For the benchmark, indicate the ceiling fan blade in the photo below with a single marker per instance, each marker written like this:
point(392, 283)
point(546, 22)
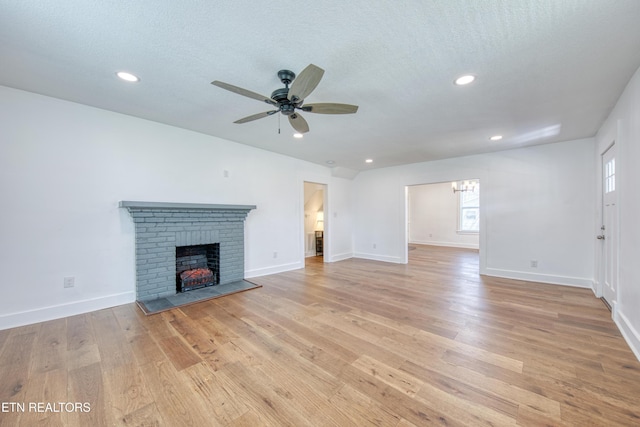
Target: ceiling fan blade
point(305, 83)
point(243, 92)
point(255, 117)
point(329, 108)
point(298, 123)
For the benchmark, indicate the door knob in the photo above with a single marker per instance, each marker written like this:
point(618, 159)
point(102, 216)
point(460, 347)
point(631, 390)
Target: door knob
point(600, 237)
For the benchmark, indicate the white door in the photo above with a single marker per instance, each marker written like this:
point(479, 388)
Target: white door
point(609, 228)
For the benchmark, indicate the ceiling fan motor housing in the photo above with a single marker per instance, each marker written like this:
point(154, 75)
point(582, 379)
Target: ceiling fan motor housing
point(285, 106)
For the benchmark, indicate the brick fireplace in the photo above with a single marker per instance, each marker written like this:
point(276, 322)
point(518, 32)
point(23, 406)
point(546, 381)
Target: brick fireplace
point(162, 229)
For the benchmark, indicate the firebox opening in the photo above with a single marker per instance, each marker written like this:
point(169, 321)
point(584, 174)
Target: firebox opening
point(197, 266)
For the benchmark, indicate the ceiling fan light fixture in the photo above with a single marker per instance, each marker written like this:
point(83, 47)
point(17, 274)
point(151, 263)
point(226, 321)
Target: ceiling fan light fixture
point(128, 77)
point(298, 135)
point(464, 80)
point(496, 138)
point(369, 161)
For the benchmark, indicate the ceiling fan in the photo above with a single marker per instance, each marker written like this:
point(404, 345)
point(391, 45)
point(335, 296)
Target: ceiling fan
point(287, 100)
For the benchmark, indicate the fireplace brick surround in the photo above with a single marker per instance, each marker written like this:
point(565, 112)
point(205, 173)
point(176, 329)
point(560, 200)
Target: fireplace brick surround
point(161, 227)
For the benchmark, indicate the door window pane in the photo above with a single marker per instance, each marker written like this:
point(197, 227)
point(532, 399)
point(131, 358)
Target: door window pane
point(610, 176)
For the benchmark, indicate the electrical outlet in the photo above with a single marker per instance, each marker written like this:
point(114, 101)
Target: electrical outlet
point(374, 246)
point(69, 282)
point(275, 254)
point(534, 263)
point(225, 173)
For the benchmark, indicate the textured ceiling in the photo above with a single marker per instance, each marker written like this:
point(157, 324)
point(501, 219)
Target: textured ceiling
point(548, 70)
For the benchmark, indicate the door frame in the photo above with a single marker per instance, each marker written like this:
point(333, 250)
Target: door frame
point(482, 178)
point(326, 220)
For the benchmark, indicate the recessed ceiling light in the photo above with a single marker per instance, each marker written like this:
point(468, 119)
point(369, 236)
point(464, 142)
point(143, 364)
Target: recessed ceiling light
point(369, 161)
point(128, 77)
point(496, 137)
point(464, 80)
point(297, 135)
point(330, 162)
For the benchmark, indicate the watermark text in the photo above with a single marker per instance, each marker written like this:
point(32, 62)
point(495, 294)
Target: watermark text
point(45, 407)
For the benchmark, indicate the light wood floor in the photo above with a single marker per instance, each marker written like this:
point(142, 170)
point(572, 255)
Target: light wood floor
point(351, 343)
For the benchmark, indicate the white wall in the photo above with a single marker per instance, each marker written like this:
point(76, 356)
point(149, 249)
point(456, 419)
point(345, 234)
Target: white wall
point(63, 169)
point(623, 127)
point(338, 220)
point(433, 212)
point(536, 204)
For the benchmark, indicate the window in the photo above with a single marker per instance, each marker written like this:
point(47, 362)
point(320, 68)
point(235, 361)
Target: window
point(469, 202)
point(610, 176)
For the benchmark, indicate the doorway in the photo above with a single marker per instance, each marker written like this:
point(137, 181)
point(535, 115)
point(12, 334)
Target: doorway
point(314, 221)
point(476, 240)
point(609, 228)
point(444, 214)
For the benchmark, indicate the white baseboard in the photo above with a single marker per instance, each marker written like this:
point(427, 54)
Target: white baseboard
point(446, 244)
point(281, 268)
point(341, 257)
point(376, 257)
point(44, 314)
point(628, 332)
point(596, 288)
point(578, 282)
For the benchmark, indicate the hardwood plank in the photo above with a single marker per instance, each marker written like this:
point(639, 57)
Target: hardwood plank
point(45, 387)
point(4, 335)
point(224, 404)
point(145, 349)
point(361, 410)
point(461, 389)
point(127, 392)
point(201, 343)
point(130, 319)
point(251, 418)
point(174, 399)
point(180, 354)
point(51, 343)
point(86, 387)
point(262, 398)
point(111, 340)
point(147, 416)
point(400, 380)
point(14, 367)
point(395, 401)
point(79, 332)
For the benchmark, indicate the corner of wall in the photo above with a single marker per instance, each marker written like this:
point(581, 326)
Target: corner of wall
point(341, 257)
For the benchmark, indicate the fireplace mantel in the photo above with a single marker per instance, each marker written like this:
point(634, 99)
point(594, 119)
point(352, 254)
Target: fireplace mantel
point(188, 206)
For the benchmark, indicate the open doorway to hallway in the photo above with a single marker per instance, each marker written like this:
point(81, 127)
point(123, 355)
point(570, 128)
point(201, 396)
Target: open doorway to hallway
point(314, 221)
